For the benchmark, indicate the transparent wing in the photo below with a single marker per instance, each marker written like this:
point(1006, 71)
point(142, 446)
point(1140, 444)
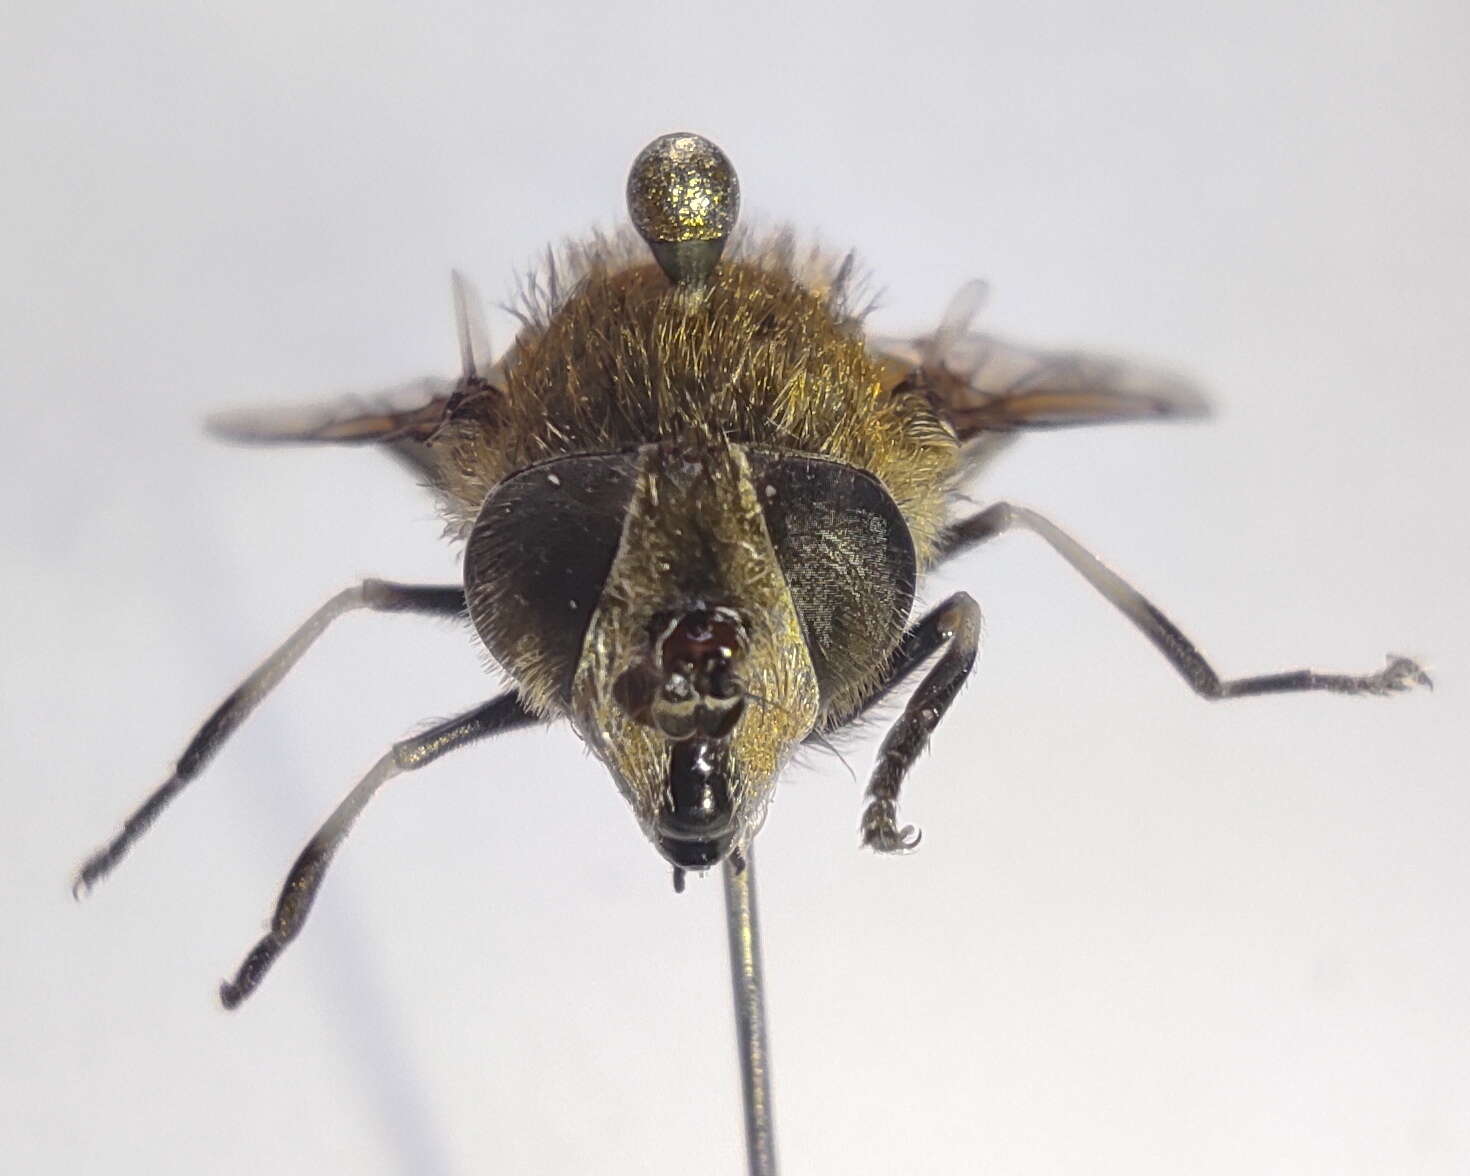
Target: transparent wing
point(403, 418)
point(407, 412)
point(983, 384)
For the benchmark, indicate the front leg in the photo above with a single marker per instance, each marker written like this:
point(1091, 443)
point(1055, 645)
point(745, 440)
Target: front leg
point(955, 624)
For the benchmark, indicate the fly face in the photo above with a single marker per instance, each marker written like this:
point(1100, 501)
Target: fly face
point(643, 591)
point(696, 608)
point(695, 681)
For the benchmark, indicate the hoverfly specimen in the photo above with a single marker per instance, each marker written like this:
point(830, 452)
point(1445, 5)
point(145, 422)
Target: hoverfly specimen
point(696, 499)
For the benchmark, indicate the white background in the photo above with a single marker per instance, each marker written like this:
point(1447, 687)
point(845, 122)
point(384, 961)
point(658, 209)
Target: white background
point(1143, 935)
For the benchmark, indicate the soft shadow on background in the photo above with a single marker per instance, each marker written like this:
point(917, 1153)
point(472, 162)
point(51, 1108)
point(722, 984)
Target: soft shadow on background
point(1143, 935)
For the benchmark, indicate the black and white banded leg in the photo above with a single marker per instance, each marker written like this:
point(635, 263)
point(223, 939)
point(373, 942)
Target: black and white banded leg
point(504, 713)
point(379, 595)
point(955, 627)
point(1399, 674)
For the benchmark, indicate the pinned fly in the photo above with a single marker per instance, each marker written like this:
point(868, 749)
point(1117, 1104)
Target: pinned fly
point(696, 497)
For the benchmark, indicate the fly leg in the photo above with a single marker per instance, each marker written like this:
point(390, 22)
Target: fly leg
point(955, 627)
point(379, 595)
point(504, 713)
point(1399, 674)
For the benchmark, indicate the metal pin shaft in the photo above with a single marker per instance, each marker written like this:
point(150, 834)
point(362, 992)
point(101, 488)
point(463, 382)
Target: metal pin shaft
point(743, 927)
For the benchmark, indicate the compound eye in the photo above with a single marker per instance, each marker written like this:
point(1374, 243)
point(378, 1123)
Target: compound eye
point(539, 556)
point(848, 559)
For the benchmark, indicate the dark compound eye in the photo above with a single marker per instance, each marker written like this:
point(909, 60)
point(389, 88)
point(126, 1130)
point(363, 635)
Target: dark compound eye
point(539, 556)
point(847, 556)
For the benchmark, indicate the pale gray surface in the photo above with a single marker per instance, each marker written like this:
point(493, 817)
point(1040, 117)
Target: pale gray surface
point(1144, 935)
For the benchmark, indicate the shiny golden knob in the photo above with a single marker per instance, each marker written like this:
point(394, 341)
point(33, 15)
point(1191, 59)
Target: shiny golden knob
point(684, 198)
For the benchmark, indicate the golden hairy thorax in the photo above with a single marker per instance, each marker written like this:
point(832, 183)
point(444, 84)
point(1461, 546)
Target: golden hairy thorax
point(767, 352)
